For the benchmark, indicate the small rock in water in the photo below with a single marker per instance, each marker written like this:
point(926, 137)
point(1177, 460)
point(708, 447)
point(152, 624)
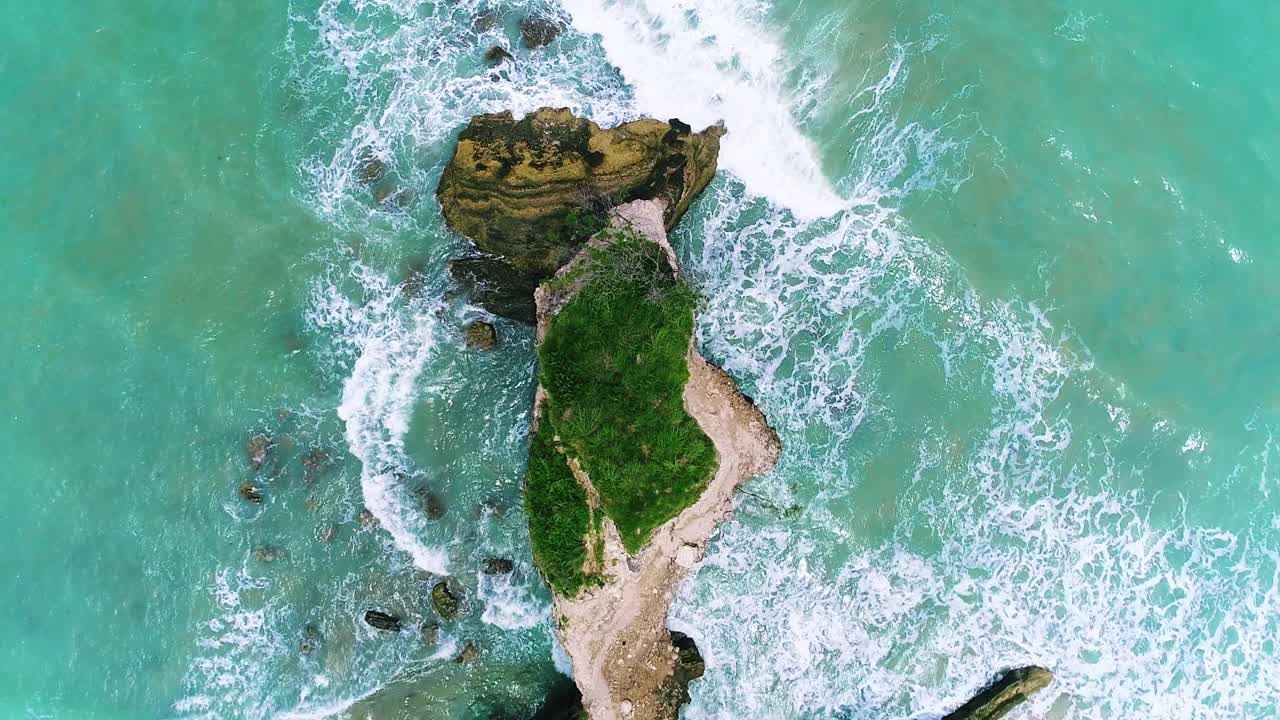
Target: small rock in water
point(486, 20)
point(382, 621)
point(498, 566)
point(250, 491)
point(267, 553)
point(432, 504)
point(445, 601)
point(313, 464)
point(294, 342)
point(393, 197)
point(469, 652)
point(370, 168)
point(414, 279)
point(311, 637)
point(326, 535)
point(538, 30)
point(480, 335)
point(497, 55)
point(366, 518)
point(256, 449)
point(430, 633)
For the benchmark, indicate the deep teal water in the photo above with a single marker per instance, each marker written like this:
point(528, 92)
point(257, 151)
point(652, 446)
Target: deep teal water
point(1001, 274)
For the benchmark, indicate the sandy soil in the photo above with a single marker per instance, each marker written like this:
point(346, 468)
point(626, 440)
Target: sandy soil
point(616, 634)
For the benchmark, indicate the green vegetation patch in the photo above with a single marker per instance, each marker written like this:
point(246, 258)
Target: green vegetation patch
point(614, 367)
point(558, 517)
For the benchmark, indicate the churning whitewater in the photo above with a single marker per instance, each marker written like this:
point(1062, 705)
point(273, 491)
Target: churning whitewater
point(1001, 276)
point(1008, 543)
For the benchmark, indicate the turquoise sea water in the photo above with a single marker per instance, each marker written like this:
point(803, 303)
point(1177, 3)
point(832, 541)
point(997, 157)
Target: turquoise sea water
point(1000, 273)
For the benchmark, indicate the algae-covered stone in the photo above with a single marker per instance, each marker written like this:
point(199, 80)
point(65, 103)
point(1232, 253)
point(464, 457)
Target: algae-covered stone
point(469, 652)
point(538, 30)
point(445, 601)
point(497, 55)
point(251, 491)
point(256, 449)
point(528, 192)
point(1008, 691)
point(480, 335)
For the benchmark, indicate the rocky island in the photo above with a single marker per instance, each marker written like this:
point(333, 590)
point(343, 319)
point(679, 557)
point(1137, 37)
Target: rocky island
point(638, 443)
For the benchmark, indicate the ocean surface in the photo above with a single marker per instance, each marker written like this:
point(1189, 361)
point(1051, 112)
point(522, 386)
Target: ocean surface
point(998, 272)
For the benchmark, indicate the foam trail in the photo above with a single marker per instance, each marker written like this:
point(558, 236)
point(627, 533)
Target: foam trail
point(707, 61)
point(377, 400)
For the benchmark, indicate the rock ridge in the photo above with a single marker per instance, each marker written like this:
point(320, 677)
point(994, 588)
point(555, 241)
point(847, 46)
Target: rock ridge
point(625, 661)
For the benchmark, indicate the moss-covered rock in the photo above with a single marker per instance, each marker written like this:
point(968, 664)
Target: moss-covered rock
point(1008, 691)
point(445, 600)
point(480, 335)
point(528, 192)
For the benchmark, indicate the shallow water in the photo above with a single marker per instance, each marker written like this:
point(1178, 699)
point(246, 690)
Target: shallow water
point(999, 275)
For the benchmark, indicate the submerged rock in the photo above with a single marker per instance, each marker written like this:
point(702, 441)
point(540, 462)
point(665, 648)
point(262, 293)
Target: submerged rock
point(1008, 691)
point(369, 167)
point(250, 491)
point(432, 504)
point(391, 196)
point(256, 449)
point(528, 192)
point(480, 335)
point(469, 652)
point(445, 601)
point(314, 463)
point(497, 55)
point(413, 281)
point(430, 633)
point(366, 518)
point(311, 638)
point(498, 566)
point(382, 621)
point(538, 30)
point(327, 534)
point(486, 20)
point(267, 553)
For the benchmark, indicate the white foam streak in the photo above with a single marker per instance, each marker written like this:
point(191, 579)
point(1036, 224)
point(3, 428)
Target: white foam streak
point(393, 344)
point(708, 61)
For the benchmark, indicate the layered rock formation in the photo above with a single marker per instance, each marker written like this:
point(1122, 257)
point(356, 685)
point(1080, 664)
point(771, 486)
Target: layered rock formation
point(626, 663)
point(528, 192)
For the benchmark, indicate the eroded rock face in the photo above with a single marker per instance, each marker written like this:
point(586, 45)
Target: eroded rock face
point(1010, 689)
point(527, 191)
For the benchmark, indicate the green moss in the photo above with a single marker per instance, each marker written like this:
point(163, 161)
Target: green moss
point(614, 367)
point(558, 517)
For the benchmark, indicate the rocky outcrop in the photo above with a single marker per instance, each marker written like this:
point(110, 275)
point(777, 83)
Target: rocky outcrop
point(625, 661)
point(382, 621)
point(529, 191)
point(1010, 689)
point(445, 600)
